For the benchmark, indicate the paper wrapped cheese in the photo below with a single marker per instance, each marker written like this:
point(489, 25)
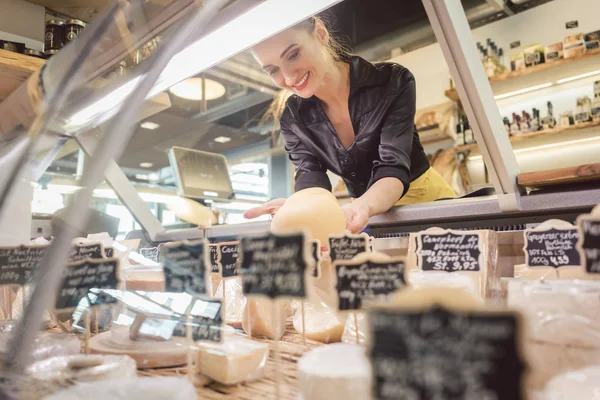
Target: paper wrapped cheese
point(322, 322)
point(436, 264)
point(563, 325)
point(349, 335)
point(337, 371)
point(314, 210)
point(235, 301)
point(260, 319)
point(157, 388)
point(235, 360)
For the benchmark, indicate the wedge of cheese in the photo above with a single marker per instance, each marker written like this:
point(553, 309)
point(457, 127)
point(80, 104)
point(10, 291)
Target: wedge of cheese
point(349, 335)
point(265, 318)
point(336, 371)
point(235, 301)
point(322, 323)
point(235, 360)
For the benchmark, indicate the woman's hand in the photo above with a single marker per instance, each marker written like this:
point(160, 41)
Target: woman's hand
point(357, 215)
point(270, 207)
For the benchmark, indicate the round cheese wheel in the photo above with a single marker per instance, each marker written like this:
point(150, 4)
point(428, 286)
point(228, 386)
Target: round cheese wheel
point(335, 371)
point(315, 210)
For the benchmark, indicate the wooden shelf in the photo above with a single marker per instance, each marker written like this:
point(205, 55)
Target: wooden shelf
point(531, 135)
point(452, 94)
point(560, 176)
point(15, 68)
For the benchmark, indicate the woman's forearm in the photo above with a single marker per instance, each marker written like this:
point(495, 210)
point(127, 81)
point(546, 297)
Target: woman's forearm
point(382, 195)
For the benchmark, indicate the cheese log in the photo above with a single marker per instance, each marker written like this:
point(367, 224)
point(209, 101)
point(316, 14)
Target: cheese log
point(258, 315)
point(314, 210)
point(487, 280)
point(336, 371)
point(349, 335)
point(235, 360)
point(321, 319)
point(578, 384)
point(235, 301)
point(562, 325)
point(156, 388)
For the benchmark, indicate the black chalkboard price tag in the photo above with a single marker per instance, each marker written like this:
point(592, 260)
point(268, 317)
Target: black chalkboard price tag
point(214, 258)
point(205, 321)
point(109, 252)
point(589, 243)
point(315, 252)
point(449, 251)
point(186, 267)
point(151, 253)
point(18, 264)
point(442, 354)
point(346, 246)
point(554, 247)
point(274, 265)
point(82, 251)
point(367, 281)
point(228, 258)
point(572, 24)
point(88, 274)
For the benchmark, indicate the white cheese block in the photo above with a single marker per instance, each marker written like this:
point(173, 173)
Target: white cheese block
point(260, 320)
point(235, 360)
point(575, 385)
point(314, 210)
point(349, 335)
point(235, 301)
point(321, 319)
point(158, 388)
point(410, 298)
point(337, 371)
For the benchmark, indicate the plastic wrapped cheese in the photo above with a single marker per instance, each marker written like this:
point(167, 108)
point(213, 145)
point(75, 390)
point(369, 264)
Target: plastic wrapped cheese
point(563, 325)
point(349, 335)
point(46, 344)
point(337, 371)
point(322, 322)
point(314, 210)
point(486, 280)
point(581, 384)
point(265, 318)
point(235, 301)
point(235, 360)
point(157, 388)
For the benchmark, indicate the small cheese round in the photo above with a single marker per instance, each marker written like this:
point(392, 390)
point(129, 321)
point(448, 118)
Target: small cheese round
point(335, 371)
point(315, 210)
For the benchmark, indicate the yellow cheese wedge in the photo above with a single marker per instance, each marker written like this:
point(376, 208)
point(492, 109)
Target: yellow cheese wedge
point(258, 316)
point(322, 321)
point(235, 300)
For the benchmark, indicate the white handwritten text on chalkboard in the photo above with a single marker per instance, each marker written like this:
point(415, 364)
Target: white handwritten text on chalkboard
point(552, 248)
point(450, 251)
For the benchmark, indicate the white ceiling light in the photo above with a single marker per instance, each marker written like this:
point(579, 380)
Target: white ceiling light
point(150, 125)
point(573, 78)
point(521, 91)
point(146, 165)
point(222, 139)
point(191, 89)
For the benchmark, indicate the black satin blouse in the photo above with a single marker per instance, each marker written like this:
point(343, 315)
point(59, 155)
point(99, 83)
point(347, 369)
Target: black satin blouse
point(386, 144)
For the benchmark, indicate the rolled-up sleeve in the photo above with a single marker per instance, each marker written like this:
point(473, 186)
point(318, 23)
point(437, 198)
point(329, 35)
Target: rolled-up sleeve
point(310, 172)
point(397, 135)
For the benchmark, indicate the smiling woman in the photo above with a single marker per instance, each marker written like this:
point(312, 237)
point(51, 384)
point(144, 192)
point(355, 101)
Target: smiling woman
point(350, 117)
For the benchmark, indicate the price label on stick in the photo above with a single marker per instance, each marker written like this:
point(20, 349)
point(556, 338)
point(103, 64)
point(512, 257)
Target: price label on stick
point(449, 251)
point(589, 243)
point(18, 264)
point(274, 265)
point(186, 267)
point(206, 321)
point(359, 282)
point(315, 252)
point(82, 251)
point(84, 275)
point(345, 247)
point(441, 354)
point(151, 253)
point(228, 258)
point(551, 248)
point(109, 252)
point(214, 258)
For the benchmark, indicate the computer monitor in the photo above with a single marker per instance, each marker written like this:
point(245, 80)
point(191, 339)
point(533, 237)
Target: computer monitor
point(200, 174)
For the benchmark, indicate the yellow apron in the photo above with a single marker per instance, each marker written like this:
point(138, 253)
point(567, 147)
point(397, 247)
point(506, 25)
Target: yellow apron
point(428, 187)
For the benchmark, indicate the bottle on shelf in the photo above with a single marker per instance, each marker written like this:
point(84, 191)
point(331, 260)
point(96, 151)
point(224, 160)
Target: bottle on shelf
point(501, 60)
point(515, 128)
point(469, 137)
point(535, 121)
point(506, 125)
point(596, 107)
point(460, 133)
point(549, 122)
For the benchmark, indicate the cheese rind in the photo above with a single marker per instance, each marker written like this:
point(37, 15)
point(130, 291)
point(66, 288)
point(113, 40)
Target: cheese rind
point(235, 360)
point(336, 371)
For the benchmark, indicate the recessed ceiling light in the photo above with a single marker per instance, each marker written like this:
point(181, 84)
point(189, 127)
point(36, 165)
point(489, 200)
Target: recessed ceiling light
point(191, 89)
point(222, 139)
point(142, 177)
point(149, 125)
point(146, 165)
